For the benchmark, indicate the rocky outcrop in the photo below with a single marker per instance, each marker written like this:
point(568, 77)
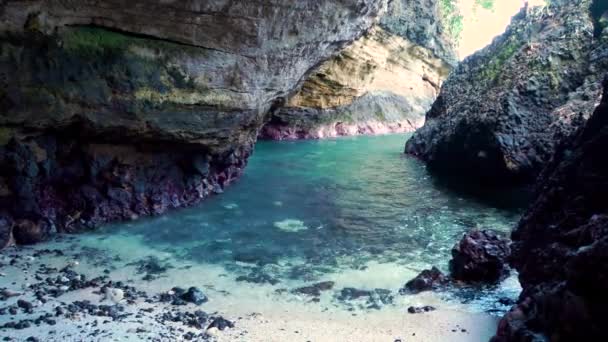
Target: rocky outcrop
point(501, 112)
point(384, 82)
point(560, 246)
point(110, 110)
point(480, 256)
point(425, 281)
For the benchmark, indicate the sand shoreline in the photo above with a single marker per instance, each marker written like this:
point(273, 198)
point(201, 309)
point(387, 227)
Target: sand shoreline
point(259, 312)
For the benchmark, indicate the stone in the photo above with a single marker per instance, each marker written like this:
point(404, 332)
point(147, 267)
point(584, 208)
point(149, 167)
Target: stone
point(220, 323)
point(315, 289)
point(27, 232)
point(351, 293)
point(194, 295)
point(480, 256)
point(425, 281)
point(420, 309)
point(115, 295)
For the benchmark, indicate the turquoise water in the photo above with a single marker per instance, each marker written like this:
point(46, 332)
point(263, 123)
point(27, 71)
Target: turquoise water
point(321, 207)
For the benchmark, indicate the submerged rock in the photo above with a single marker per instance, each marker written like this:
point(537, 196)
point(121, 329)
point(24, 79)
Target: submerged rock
point(179, 296)
point(480, 256)
point(315, 289)
point(6, 230)
point(560, 247)
point(258, 277)
point(194, 295)
point(427, 280)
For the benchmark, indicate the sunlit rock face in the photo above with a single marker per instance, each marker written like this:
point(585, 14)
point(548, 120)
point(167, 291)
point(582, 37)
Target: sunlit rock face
point(502, 111)
point(117, 109)
point(384, 82)
point(560, 246)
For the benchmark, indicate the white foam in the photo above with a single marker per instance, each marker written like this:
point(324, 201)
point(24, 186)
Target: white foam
point(291, 225)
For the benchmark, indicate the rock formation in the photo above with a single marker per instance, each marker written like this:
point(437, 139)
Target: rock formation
point(110, 109)
point(502, 110)
point(560, 247)
point(480, 256)
point(427, 280)
point(384, 82)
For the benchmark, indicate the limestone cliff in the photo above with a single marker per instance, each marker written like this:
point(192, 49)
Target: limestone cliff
point(501, 112)
point(383, 82)
point(114, 109)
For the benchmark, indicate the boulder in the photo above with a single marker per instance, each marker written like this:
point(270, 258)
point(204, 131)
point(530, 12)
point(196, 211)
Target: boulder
point(480, 256)
point(425, 281)
point(27, 232)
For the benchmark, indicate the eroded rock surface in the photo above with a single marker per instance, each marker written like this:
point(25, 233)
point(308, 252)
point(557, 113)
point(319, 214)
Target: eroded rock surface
point(560, 247)
point(480, 256)
point(110, 110)
point(502, 110)
point(431, 279)
point(384, 82)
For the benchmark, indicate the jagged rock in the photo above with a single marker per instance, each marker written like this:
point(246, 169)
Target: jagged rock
point(480, 256)
point(384, 82)
point(502, 110)
point(425, 281)
point(560, 247)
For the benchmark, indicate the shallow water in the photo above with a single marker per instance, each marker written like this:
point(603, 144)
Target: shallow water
point(352, 210)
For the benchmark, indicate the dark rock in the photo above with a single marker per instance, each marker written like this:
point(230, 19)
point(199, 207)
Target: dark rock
point(6, 229)
point(258, 278)
point(194, 295)
point(427, 280)
point(480, 256)
point(315, 289)
point(25, 305)
point(420, 309)
point(221, 323)
point(560, 246)
point(27, 232)
point(351, 293)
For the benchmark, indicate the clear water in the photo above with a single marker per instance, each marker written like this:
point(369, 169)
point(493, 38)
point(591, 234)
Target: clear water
point(333, 209)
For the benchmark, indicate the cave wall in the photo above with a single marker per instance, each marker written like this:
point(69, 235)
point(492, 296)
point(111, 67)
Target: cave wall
point(112, 110)
point(383, 82)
